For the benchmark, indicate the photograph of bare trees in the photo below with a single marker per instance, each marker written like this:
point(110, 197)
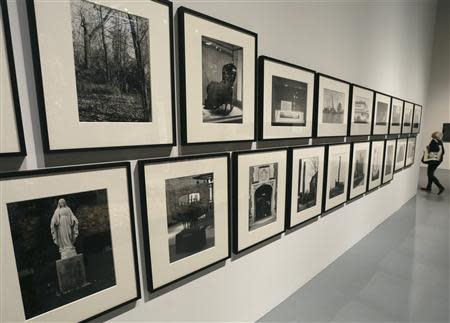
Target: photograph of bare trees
point(112, 64)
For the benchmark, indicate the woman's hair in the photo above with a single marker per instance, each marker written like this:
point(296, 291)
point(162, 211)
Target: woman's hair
point(436, 135)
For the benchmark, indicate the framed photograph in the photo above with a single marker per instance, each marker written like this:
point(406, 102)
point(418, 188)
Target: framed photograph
point(331, 115)
point(381, 113)
point(68, 243)
point(360, 152)
point(12, 141)
point(102, 82)
point(259, 192)
point(417, 118)
point(395, 123)
point(410, 151)
point(286, 107)
point(400, 154)
point(337, 170)
point(360, 123)
point(185, 215)
point(389, 158)
point(306, 186)
point(376, 164)
point(217, 79)
point(408, 109)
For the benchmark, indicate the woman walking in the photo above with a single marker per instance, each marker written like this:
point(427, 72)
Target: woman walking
point(433, 158)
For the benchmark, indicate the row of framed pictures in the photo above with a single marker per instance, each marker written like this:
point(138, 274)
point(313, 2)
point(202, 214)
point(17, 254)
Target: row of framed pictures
point(68, 238)
point(112, 88)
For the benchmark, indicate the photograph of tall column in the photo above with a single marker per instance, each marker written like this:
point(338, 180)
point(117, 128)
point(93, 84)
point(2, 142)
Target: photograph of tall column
point(307, 183)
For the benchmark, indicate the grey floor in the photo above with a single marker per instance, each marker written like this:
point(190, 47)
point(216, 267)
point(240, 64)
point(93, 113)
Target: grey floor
point(398, 273)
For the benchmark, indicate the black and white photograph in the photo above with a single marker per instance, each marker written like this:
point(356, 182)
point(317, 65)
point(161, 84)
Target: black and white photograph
point(190, 214)
point(333, 106)
point(361, 111)
point(389, 156)
point(185, 215)
point(396, 116)
point(116, 84)
point(12, 141)
point(332, 114)
point(382, 112)
point(112, 63)
point(400, 155)
point(259, 196)
point(68, 242)
point(410, 151)
point(62, 247)
point(222, 81)
point(288, 102)
point(218, 83)
point(408, 112)
point(359, 169)
point(376, 164)
point(417, 118)
point(263, 195)
point(286, 108)
point(338, 165)
point(306, 184)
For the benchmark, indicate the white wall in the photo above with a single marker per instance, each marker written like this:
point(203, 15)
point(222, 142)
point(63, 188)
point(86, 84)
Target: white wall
point(437, 106)
point(385, 45)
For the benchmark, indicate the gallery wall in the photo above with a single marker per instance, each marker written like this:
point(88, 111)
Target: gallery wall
point(438, 99)
point(381, 45)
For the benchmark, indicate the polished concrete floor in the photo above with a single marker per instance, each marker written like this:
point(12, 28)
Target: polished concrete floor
point(398, 273)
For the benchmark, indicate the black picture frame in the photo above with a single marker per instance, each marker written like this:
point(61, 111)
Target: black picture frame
point(350, 172)
point(377, 93)
point(316, 106)
point(325, 184)
point(235, 198)
point(368, 189)
point(407, 150)
point(390, 131)
point(144, 215)
point(91, 167)
point(181, 13)
point(383, 182)
point(288, 200)
point(12, 74)
point(413, 131)
point(403, 132)
point(351, 108)
point(36, 57)
point(260, 98)
point(404, 158)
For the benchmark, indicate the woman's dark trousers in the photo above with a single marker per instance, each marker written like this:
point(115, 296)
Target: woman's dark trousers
point(431, 178)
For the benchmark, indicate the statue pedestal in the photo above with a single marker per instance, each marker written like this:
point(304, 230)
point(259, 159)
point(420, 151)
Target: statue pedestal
point(71, 273)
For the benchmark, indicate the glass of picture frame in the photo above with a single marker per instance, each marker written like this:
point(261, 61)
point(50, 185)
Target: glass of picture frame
point(361, 109)
point(305, 184)
point(217, 79)
point(68, 243)
point(259, 193)
point(337, 167)
point(381, 114)
point(360, 152)
point(286, 107)
point(400, 154)
point(331, 114)
point(389, 160)
point(185, 215)
point(12, 141)
point(408, 112)
point(410, 151)
point(376, 164)
point(417, 118)
point(395, 122)
point(100, 82)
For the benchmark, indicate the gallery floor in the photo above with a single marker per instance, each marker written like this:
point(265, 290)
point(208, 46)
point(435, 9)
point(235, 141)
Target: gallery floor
point(398, 273)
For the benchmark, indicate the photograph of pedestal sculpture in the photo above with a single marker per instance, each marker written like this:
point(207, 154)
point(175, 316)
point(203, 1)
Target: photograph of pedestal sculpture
point(361, 111)
point(190, 214)
point(62, 247)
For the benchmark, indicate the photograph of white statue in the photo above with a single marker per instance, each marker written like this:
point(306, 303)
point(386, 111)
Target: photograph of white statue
point(63, 249)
